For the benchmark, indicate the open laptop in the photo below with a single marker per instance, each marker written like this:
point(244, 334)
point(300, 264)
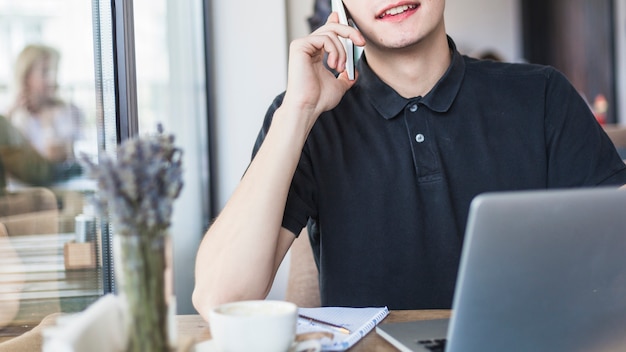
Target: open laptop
point(540, 271)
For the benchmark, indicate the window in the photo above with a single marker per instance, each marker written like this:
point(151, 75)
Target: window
point(49, 117)
point(116, 70)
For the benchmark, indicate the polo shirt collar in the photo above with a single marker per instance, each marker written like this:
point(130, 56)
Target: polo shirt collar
point(389, 103)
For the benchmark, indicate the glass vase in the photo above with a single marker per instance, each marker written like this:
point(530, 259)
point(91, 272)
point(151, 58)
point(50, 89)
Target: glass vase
point(142, 270)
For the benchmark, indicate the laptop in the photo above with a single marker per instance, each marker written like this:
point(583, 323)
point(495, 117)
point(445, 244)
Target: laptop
point(540, 271)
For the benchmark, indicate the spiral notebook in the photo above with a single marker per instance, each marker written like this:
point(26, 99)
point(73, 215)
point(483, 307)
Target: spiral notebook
point(358, 321)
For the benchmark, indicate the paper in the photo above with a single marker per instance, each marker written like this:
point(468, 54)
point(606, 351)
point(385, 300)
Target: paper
point(359, 321)
point(98, 328)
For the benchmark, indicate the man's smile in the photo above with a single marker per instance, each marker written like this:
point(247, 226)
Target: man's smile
point(397, 10)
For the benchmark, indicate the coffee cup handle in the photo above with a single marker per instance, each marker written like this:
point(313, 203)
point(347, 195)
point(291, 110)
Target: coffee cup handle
point(306, 346)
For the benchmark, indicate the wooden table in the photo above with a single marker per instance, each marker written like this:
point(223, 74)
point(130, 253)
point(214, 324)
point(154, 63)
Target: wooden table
point(194, 328)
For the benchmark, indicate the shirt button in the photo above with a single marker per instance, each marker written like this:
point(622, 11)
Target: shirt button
point(419, 138)
point(413, 108)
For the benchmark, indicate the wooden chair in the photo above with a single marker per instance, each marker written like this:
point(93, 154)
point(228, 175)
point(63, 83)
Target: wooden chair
point(303, 277)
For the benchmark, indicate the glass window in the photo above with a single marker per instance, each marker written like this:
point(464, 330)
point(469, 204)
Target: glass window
point(55, 253)
point(49, 239)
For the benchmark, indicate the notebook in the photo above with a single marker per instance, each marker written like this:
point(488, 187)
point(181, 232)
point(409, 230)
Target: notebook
point(356, 322)
point(540, 271)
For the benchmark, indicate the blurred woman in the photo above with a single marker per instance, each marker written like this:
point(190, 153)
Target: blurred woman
point(50, 124)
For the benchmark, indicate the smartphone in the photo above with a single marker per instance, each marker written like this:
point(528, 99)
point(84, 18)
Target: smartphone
point(337, 6)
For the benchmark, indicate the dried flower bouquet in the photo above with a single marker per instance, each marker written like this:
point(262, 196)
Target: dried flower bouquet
point(137, 190)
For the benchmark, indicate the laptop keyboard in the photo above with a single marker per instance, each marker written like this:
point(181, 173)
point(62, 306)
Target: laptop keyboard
point(436, 345)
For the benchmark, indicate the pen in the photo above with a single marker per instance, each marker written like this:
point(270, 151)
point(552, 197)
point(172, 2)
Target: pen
point(338, 328)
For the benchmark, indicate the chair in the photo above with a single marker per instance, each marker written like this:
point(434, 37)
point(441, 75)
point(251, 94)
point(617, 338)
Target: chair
point(303, 277)
point(29, 211)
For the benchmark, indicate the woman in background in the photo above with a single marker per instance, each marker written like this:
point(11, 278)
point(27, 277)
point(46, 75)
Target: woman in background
point(51, 125)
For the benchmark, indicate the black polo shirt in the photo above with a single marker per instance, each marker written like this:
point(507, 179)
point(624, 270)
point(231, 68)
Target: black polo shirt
point(386, 182)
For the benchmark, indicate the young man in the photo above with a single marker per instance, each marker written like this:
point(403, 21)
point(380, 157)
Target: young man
point(384, 168)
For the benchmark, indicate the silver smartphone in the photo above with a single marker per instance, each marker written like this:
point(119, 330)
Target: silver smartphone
point(337, 6)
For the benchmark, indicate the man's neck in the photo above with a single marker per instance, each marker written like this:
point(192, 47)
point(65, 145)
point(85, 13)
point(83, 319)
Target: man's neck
point(413, 71)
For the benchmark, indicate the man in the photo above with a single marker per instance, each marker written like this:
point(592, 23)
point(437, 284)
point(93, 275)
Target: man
point(383, 168)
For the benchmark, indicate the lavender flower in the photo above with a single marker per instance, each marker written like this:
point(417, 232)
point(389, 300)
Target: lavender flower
point(140, 186)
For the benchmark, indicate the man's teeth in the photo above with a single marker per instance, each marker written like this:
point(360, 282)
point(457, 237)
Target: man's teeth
point(398, 10)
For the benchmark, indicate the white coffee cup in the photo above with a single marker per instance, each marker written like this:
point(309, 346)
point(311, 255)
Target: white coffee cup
point(263, 326)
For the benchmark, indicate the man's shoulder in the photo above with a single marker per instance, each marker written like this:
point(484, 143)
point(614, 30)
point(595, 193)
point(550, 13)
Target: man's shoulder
point(495, 68)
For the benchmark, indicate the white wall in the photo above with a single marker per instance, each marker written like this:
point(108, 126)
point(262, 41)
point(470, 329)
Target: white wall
point(486, 24)
point(251, 59)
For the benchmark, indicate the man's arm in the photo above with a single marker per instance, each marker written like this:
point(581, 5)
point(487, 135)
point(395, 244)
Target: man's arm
point(240, 253)
point(242, 249)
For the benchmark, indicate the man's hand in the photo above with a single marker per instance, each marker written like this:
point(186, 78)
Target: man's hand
point(311, 87)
